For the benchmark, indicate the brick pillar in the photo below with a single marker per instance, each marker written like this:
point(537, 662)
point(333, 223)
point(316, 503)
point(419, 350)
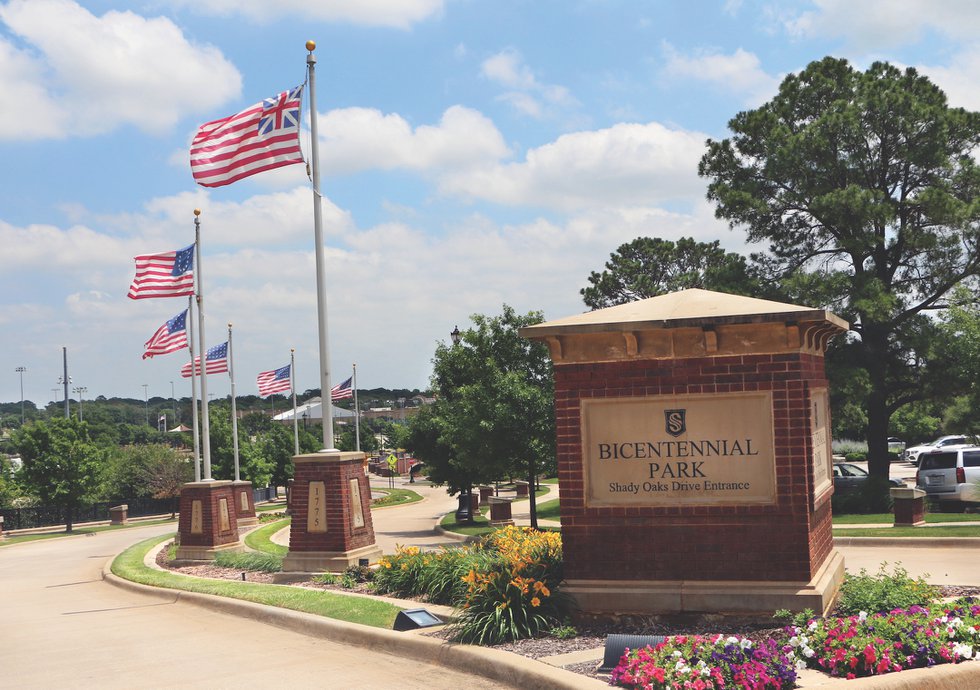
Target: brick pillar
point(909, 506)
point(693, 447)
point(500, 515)
point(119, 515)
point(522, 489)
point(245, 504)
point(485, 493)
point(208, 520)
point(331, 508)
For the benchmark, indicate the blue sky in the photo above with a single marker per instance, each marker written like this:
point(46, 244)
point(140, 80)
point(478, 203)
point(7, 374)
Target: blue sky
point(473, 153)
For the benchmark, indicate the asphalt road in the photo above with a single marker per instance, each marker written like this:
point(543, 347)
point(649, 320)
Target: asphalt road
point(65, 627)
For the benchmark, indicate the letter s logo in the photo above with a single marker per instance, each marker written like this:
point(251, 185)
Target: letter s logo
point(675, 422)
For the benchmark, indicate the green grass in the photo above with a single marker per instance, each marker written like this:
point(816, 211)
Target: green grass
point(261, 539)
point(270, 507)
point(549, 510)
point(479, 526)
point(888, 518)
point(10, 540)
point(922, 532)
point(395, 497)
point(129, 565)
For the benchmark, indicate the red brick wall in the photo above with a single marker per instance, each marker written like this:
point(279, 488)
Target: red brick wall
point(210, 497)
point(785, 541)
point(340, 534)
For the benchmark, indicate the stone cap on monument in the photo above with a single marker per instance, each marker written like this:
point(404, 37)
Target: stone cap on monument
point(329, 456)
point(687, 323)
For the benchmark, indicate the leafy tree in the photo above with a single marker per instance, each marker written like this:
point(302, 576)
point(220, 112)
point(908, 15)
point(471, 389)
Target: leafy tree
point(8, 487)
point(165, 474)
point(252, 466)
point(494, 415)
point(647, 267)
point(126, 468)
point(862, 183)
point(61, 464)
point(960, 328)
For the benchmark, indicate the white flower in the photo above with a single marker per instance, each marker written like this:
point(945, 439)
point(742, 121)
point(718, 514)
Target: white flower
point(863, 616)
point(800, 664)
point(963, 650)
point(813, 626)
point(732, 640)
point(808, 653)
point(746, 643)
point(794, 641)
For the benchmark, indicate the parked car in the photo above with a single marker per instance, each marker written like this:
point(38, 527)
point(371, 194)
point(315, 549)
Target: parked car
point(849, 477)
point(950, 475)
point(912, 454)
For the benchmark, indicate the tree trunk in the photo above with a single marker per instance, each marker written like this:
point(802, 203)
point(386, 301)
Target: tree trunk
point(876, 340)
point(532, 486)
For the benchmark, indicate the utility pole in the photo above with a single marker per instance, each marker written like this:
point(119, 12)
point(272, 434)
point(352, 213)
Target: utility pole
point(80, 390)
point(21, 370)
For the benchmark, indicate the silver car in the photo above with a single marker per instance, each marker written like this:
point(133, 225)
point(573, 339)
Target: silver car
point(950, 475)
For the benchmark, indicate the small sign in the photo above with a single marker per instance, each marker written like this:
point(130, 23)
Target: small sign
point(197, 518)
point(357, 512)
point(392, 462)
point(316, 520)
point(224, 521)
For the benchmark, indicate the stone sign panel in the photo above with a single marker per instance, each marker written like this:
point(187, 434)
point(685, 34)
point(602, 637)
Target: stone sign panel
point(316, 519)
point(821, 441)
point(357, 512)
point(679, 450)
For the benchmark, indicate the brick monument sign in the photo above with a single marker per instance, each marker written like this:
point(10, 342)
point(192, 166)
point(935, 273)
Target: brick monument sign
point(331, 510)
point(208, 521)
point(694, 455)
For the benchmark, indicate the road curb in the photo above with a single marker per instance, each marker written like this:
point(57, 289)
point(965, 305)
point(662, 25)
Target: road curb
point(494, 664)
point(911, 542)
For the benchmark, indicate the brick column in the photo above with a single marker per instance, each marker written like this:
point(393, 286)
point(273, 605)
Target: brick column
point(909, 506)
point(208, 520)
point(693, 444)
point(245, 504)
point(331, 509)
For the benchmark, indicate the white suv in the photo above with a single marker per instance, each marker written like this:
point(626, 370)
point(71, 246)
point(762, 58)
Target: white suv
point(950, 475)
point(912, 454)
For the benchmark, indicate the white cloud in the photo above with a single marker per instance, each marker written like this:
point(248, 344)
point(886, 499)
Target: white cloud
point(87, 75)
point(524, 92)
point(399, 14)
point(871, 26)
point(958, 78)
point(740, 73)
point(356, 139)
point(624, 165)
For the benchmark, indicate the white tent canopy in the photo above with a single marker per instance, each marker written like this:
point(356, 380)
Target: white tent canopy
point(311, 410)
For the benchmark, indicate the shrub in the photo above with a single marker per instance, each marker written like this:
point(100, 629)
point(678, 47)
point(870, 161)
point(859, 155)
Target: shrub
point(707, 662)
point(513, 588)
point(883, 591)
point(872, 496)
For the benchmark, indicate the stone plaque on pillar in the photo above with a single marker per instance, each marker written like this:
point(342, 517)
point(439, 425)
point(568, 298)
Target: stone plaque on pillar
point(332, 526)
point(693, 438)
point(208, 521)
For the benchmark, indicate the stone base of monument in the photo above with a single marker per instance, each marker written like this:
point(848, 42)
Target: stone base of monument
point(742, 598)
point(245, 504)
point(297, 566)
point(208, 521)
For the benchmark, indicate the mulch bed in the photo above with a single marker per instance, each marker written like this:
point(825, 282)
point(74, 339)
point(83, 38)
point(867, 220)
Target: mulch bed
point(590, 635)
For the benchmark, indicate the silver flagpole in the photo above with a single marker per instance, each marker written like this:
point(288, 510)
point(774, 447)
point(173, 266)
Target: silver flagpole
point(292, 384)
point(190, 346)
point(202, 368)
point(234, 411)
point(357, 415)
point(321, 290)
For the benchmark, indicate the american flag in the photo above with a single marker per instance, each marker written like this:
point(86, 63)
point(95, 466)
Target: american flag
point(341, 391)
point(262, 137)
point(170, 337)
point(170, 274)
point(215, 362)
point(275, 381)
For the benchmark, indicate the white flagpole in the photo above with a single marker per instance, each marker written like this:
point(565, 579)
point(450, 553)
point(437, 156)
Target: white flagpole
point(202, 369)
point(190, 346)
point(292, 384)
point(321, 291)
point(357, 415)
point(234, 411)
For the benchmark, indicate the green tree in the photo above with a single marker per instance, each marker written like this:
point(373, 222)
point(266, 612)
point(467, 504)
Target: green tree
point(252, 465)
point(494, 415)
point(864, 183)
point(647, 267)
point(62, 466)
point(164, 475)
point(960, 347)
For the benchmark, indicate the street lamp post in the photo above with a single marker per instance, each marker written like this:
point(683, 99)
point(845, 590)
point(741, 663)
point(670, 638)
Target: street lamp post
point(173, 397)
point(81, 390)
point(21, 370)
point(146, 405)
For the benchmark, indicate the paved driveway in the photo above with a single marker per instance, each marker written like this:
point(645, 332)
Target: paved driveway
point(64, 627)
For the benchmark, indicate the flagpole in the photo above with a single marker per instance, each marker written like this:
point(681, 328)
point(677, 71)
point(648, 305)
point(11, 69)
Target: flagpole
point(321, 292)
point(234, 411)
point(190, 346)
point(202, 368)
point(292, 384)
point(357, 415)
